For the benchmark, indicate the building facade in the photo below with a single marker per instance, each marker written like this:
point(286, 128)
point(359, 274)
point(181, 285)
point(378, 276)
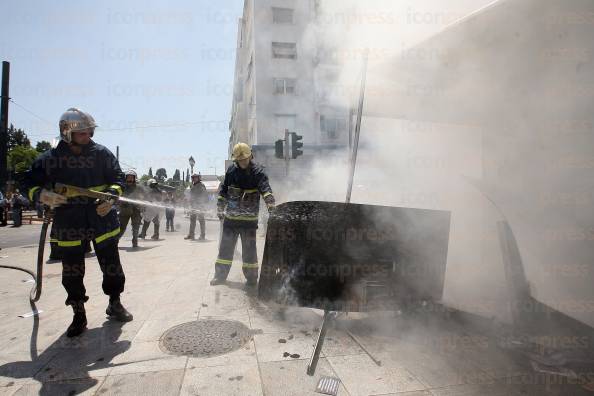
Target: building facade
point(285, 80)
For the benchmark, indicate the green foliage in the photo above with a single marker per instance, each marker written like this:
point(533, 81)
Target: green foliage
point(20, 158)
point(176, 175)
point(161, 174)
point(17, 137)
point(43, 146)
point(150, 174)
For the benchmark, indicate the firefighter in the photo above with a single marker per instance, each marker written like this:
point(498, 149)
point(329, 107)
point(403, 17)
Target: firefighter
point(198, 199)
point(238, 206)
point(78, 160)
point(169, 211)
point(151, 213)
point(128, 211)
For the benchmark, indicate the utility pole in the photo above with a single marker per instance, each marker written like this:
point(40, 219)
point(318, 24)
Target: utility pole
point(287, 153)
point(118, 153)
point(4, 123)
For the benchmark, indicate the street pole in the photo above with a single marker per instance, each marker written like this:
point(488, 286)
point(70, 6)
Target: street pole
point(118, 153)
point(4, 123)
point(287, 153)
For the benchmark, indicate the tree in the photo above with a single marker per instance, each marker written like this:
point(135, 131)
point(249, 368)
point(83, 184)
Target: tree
point(176, 175)
point(43, 146)
point(20, 158)
point(145, 178)
point(187, 175)
point(161, 174)
point(150, 173)
point(17, 137)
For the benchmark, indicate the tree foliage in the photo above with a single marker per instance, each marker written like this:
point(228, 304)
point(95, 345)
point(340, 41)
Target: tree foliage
point(20, 158)
point(17, 137)
point(43, 146)
point(161, 174)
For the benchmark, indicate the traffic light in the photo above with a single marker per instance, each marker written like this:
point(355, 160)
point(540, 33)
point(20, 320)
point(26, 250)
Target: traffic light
point(279, 150)
point(296, 145)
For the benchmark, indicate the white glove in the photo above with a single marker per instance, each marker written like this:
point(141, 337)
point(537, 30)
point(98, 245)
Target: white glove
point(104, 207)
point(51, 198)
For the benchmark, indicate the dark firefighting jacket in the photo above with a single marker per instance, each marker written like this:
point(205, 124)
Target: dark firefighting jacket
point(198, 196)
point(96, 168)
point(132, 191)
point(239, 194)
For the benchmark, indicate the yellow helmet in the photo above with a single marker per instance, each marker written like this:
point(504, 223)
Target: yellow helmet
point(241, 151)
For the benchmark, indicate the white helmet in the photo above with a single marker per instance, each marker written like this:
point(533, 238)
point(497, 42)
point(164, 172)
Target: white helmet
point(131, 172)
point(74, 120)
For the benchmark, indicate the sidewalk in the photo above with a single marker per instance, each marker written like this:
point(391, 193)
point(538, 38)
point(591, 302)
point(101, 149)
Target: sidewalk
point(167, 285)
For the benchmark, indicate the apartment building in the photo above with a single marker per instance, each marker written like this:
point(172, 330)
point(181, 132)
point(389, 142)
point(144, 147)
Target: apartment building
point(285, 80)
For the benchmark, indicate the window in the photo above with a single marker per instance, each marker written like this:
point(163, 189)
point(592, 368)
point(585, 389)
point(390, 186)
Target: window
point(284, 50)
point(332, 126)
point(282, 15)
point(284, 86)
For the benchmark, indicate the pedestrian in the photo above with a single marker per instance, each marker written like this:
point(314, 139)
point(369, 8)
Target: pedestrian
point(238, 206)
point(18, 202)
point(78, 160)
point(152, 213)
point(197, 201)
point(170, 212)
point(3, 210)
point(130, 211)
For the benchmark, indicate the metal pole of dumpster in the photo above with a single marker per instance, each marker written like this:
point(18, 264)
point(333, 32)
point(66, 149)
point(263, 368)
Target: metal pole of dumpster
point(357, 127)
point(4, 123)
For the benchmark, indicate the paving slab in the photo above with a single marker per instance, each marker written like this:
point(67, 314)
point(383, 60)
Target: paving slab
point(235, 379)
point(289, 378)
point(84, 387)
point(145, 384)
point(269, 349)
point(361, 376)
point(271, 318)
point(146, 357)
point(244, 355)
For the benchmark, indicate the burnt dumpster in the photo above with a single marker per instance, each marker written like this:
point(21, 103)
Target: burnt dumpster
point(352, 257)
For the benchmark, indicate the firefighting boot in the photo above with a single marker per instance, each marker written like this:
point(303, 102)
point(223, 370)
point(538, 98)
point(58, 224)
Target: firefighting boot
point(134, 237)
point(251, 282)
point(79, 321)
point(217, 281)
point(116, 310)
point(155, 233)
point(145, 226)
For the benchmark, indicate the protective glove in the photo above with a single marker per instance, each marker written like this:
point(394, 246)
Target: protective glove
point(51, 198)
point(271, 209)
point(104, 207)
point(220, 214)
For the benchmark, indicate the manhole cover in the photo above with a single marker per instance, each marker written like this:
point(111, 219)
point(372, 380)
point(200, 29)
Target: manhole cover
point(204, 338)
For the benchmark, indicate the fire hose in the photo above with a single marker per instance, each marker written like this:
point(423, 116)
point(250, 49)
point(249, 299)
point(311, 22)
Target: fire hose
point(68, 191)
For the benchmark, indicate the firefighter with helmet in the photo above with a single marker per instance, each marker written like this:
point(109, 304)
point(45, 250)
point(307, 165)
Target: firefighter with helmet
point(151, 213)
point(198, 200)
point(238, 206)
point(129, 211)
point(78, 160)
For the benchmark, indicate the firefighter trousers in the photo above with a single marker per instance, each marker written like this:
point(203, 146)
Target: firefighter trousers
point(73, 271)
point(125, 217)
point(200, 217)
point(248, 252)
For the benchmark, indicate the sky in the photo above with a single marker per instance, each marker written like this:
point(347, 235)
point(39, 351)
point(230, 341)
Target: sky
point(156, 76)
